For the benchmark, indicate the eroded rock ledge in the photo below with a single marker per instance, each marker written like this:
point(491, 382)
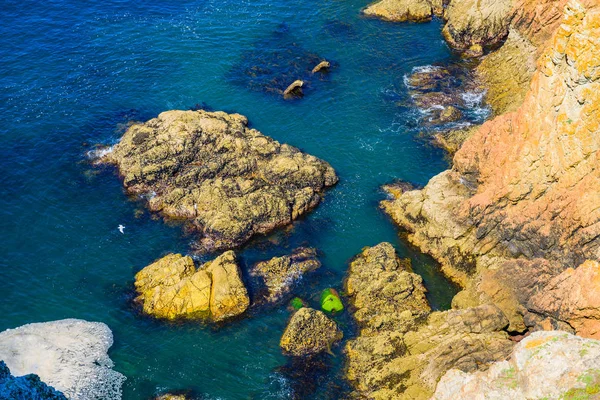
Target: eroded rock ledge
point(404, 348)
point(520, 205)
point(226, 180)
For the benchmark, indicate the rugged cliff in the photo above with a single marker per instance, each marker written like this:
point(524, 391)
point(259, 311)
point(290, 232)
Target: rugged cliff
point(520, 204)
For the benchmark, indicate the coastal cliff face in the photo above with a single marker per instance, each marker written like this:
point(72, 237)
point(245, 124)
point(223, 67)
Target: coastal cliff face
point(521, 201)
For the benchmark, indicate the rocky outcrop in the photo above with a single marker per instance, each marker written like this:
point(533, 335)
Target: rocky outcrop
point(70, 355)
point(477, 22)
point(309, 332)
point(280, 274)
point(25, 387)
point(521, 198)
point(403, 348)
point(405, 10)
point(226, 180)
point(383, 291)
point(172, 288)
point(546, 365)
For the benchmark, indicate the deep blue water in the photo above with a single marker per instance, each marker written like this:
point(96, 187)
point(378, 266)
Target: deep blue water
point(72, 73)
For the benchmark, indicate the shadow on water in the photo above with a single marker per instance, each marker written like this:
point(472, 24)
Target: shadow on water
point(276, 61)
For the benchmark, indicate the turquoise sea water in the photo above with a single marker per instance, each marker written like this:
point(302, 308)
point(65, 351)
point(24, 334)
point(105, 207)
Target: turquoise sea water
point(73, 72)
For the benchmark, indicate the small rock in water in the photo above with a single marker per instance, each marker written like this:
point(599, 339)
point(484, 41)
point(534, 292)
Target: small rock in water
point(309, 332)
point(280, 274)
point(450, 114)
point(321, 67)
point(294, 90)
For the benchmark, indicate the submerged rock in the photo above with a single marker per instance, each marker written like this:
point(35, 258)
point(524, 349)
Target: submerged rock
point(70, 355)
point(309, 332)
point(294, 89)
point(403, 348)
point(228, 181)
point(280, 274)
point(172, 288)
point(450, 114)
point(273, 62)
point(28, 387)
point(545, 365)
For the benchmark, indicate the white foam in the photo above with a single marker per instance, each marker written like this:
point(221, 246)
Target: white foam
point(99, 152)
point(69, 355)
point(473, 99)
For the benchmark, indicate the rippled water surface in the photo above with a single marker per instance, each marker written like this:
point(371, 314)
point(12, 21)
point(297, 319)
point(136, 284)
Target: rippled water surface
point(73, 73)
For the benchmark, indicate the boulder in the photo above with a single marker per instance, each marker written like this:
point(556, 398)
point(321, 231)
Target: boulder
point(321, 67)
point(280, 274)
point(545, 365)
point(228, 182)
point(309, 332)
point(172, 288)
point(69, 355)
point(294, 90)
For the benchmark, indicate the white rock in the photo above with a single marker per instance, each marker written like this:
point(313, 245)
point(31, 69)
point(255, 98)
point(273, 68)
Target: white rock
point(544, 365)
point(69, 355)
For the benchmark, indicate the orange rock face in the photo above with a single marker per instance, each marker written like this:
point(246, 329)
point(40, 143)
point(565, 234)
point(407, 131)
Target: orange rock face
point(536, 170)
point(573, 297)
point(526, 185)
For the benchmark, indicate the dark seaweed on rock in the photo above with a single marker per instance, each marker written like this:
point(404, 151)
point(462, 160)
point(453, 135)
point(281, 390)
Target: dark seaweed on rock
point(25, 387)
point(274, 62)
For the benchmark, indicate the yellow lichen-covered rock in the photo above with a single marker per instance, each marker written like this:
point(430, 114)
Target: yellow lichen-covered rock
point(381, 287)
point(226, 180)
point(309, 332)
point(228, 296)
point(402, 10)
point(172, 288)
point(477, 22)
point(403, 348)
point(506, 73)
point(281, 273)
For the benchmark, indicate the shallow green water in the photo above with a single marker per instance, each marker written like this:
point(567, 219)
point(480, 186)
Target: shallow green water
point(71, 72)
